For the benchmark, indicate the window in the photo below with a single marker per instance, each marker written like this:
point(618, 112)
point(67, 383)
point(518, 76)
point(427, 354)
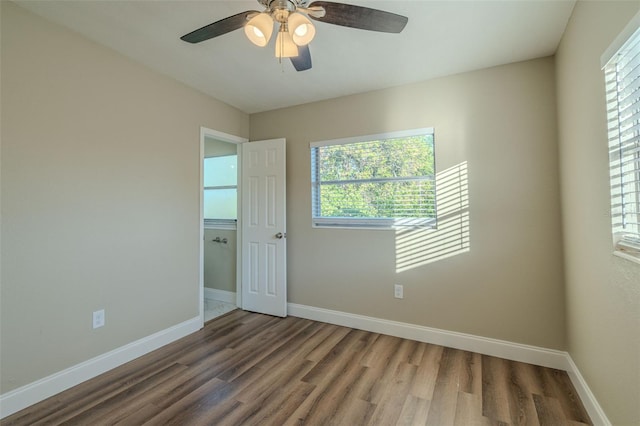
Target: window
point(380, 181)
point(622, 77)
point(221, 191)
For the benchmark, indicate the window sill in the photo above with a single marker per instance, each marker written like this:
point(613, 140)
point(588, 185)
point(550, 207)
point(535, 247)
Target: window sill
point(372, 224)
point(626, 255)
point(221, 227)
point(229, 224)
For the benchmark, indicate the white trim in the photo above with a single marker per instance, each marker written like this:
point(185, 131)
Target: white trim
point(468, 342)
point(620, 40)
point(499, 348)
point(379, 136)
point(627, 256)
point(39, 390)
point(203, 134)
point(595, 411)
point(238, 301)
point(221, 295)
point(225, 137)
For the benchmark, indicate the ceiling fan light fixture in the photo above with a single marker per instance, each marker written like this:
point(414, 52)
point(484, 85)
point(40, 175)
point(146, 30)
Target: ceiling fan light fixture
point(259, 29)
point(294, 15)
point(301, 29)
point(285, 47)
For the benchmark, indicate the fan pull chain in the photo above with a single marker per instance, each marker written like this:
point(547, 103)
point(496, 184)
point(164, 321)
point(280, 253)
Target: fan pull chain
point(281, 40)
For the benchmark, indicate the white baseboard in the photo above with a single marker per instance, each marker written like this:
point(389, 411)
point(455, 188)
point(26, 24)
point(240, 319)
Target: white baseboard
point(598, 417)
point(221, 295)
point(499, 348)
point(39, 390)
point(494, 347)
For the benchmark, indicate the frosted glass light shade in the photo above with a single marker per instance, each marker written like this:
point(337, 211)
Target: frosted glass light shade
point(285, 47)
point(301, 29)
point(259, 29)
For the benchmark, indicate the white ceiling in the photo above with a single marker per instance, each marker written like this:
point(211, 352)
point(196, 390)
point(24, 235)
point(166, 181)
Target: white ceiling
point(441, 38)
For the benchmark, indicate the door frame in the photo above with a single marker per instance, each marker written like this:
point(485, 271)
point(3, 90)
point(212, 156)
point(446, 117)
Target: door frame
point(225, 137)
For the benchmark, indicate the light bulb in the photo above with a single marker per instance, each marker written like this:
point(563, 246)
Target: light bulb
point(259, 28)
point(301, 29)
point(285, 47)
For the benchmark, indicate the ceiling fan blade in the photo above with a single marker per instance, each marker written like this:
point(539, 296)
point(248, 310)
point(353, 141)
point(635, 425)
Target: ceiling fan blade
point(359, 17)
point(302, 62)
point(218, 28)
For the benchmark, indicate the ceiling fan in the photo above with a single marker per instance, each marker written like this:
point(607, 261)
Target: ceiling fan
point(295, 30)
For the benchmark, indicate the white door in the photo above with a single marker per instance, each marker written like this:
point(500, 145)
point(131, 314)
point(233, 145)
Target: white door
point(264, 244)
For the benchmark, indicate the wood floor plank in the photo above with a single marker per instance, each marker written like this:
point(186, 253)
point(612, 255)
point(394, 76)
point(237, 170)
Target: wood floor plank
point(495, 388)
point(275, 340)
point(277, 409)
point(195, 376)
point(566, 395)
point(427, 373)
point(469, 411)
point(389, 404)
point(470, 373)
point(354, 411)
point(549, 411)
point(322, 348)
point(339, 376)
point(445, 393)
point(122, 404)
point(253, 369)
point(341, 398)
point(414, 411)
point(390, 378)
point(191, 408)
point(521, 405)
point(296, 348)
point(381, 351)
point(265, 394)
point(271, 380)
point(333, 362)
point(136, 417)
point(325, 405)
point(418, 353)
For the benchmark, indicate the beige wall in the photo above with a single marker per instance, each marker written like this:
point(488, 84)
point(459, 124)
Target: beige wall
point(94, 147)
point(220, 260)
point(216, 148)
point(603, 291)
point(502, 123)
point(100, 190)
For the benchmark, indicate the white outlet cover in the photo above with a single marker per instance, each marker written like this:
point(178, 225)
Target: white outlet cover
point(398, 291)
point(98, 318)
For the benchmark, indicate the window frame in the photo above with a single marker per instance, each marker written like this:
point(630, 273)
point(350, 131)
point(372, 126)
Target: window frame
point(213, 223)
point(626, 235)
point(369, 223)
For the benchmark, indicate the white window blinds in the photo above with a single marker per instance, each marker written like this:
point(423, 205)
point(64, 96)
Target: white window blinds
point(622, 77)
point(374, 181)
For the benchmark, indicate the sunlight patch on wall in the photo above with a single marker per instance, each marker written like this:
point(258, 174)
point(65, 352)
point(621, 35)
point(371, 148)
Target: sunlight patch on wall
point(420, 246)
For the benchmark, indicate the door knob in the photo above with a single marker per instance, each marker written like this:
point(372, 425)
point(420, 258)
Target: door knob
point(280, 235)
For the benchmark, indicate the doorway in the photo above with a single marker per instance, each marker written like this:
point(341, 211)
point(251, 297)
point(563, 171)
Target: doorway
point(219, 232)
point(260, 224)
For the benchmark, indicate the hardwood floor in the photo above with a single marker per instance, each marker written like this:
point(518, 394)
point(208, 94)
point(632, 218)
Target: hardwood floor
point(252, 369)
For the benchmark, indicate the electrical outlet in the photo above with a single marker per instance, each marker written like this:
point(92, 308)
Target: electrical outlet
point(98, 318)
point(398, 291)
